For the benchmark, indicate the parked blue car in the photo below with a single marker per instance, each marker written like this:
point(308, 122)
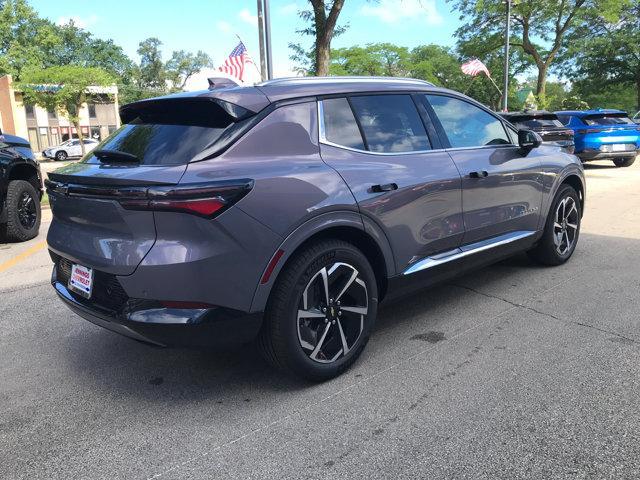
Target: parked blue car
point(603, 135)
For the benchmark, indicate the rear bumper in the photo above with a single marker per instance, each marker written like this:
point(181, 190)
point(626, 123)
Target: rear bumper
point(589, 155)
point(175, 327)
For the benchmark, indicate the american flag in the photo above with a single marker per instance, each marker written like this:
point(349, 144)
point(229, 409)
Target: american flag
point(474, 67)
point(234, 65)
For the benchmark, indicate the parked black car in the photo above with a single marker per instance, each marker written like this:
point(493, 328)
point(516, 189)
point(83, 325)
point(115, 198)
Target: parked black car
point(20, 189)
point(546, 124)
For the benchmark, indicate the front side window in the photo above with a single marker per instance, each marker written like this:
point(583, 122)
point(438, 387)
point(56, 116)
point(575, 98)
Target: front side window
point(390, 123)
point(340, 126)
point(467, 125)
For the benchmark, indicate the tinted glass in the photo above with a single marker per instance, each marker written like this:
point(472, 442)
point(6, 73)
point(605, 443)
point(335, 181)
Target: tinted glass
point(539, 123)
point(156, 144)
point(340, 126)
point(566, 120)
point(467, 125)
point(607, 120)
point(390, 123)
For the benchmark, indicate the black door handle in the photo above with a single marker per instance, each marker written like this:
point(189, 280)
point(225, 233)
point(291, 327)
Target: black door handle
point(387, 187)
point(480, 174)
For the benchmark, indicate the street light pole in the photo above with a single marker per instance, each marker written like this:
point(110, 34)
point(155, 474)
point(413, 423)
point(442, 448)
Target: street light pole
point(505, 93)
point(263, 65)
point(267, 38)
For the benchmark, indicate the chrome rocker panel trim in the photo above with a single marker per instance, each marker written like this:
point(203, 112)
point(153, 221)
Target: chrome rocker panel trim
point(467, 250)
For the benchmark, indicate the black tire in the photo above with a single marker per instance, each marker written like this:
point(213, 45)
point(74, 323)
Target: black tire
point(547, 251)
point(61, 155)
point(22, 225)
point(280, 340)
point(624, 161)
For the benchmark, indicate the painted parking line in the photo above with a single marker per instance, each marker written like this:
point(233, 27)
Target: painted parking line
point(23, 256)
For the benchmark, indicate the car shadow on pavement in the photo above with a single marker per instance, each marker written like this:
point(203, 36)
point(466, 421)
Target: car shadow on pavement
point(117, 364)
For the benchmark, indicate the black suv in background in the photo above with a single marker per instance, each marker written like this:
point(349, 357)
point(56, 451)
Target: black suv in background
point(20, 189)
point(546, 124)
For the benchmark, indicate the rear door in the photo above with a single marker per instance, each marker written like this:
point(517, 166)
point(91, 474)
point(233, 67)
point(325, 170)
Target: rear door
point(501, 184)
point(401, 179)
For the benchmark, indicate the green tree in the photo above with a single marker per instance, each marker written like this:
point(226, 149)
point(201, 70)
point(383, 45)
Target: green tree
point(381, 59)
point(182, 65)
point(540, 27)
point(151, 72)
point(63, 89)
point(322, 26)
point(604, 53)
point(26, 40)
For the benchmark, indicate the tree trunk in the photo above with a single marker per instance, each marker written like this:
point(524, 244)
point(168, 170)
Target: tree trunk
point(76, 123)
point(541, 83)
point(323, 56)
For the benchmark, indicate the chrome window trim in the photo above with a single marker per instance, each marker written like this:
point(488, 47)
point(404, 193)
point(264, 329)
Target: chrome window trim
point(466, 250)
point(323, 139)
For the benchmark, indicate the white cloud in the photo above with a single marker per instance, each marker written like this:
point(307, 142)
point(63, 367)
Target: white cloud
point(394, 11)
point(246, 16)
point(289, 8)
point(78, 21)
point(223, 26)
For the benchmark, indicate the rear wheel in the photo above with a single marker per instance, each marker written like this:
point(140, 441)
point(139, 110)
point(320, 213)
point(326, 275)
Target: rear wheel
point(562, 229)
point(23, 211)
point(321, 311)
point(61, 155)
point(624, 161)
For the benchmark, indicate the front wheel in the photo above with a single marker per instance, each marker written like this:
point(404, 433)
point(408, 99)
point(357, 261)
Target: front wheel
point(624, 161)
point(321, 311)
point(23, 211)
point(562, 229)
point(61, 155)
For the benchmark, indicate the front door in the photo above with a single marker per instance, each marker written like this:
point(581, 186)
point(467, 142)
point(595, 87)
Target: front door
point(501, 183)
point(399, 176)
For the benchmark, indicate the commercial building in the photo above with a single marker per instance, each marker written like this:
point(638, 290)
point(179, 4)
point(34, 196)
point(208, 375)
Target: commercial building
point(98, 118)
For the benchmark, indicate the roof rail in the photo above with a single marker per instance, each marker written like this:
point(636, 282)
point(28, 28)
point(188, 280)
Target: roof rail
point(343, 79)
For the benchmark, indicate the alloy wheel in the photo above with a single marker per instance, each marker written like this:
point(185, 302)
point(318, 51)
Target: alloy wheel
point(565, 226)
point(331, 312)
point(27, 213)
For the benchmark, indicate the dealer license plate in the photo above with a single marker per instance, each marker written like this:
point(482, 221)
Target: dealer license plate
point(81, 280)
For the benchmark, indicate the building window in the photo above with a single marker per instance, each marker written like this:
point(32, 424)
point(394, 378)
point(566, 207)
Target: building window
point(51, 113)
point(92, 110)
point(30, 111)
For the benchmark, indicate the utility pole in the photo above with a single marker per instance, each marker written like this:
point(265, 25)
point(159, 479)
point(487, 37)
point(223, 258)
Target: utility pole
point(267, 38)
point(505, 94)
point(263, 65)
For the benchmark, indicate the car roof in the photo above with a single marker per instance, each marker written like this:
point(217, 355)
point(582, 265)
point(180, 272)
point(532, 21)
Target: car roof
point(255, 98)
point(597, 111)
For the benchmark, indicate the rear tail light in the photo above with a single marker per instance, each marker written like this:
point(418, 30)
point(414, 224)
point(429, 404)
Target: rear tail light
point(206, 200)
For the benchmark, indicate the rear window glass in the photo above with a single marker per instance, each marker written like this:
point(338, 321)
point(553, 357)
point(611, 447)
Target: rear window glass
point(538, 122)
point(340, 126)
point(607, 120)
point(390, 123)
point(168, 134)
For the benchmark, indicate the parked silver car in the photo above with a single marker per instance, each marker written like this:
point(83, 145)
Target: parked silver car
point(286, 212)
point(70, 149)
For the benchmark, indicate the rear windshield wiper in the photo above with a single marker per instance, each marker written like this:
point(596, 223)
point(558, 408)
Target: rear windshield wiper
point(115, 156)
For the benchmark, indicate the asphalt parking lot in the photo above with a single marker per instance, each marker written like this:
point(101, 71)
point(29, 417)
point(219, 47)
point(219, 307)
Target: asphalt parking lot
point(515, 371)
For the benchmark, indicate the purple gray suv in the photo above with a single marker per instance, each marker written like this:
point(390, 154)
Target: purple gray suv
point(286, 212)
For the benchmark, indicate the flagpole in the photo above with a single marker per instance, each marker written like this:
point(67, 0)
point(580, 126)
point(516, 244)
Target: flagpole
point(494, 84)
point(254, 63)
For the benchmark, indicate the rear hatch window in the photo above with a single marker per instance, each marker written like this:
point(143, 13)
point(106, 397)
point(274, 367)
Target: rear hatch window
point(168, 132)
point(539, 122)
point(608, 119)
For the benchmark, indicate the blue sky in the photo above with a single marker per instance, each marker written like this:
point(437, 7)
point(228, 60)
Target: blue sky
point(211, 25)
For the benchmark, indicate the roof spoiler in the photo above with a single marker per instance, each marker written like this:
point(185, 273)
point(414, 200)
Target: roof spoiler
point(221, 82)
point(189, 106)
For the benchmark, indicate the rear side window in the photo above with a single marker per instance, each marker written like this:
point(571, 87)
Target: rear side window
point(564, 119)
point(467, 125)
point(390, 123)
point(340, 125)
point(168, 133)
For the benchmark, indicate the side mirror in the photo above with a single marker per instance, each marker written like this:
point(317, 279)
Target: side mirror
point(528, 139)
